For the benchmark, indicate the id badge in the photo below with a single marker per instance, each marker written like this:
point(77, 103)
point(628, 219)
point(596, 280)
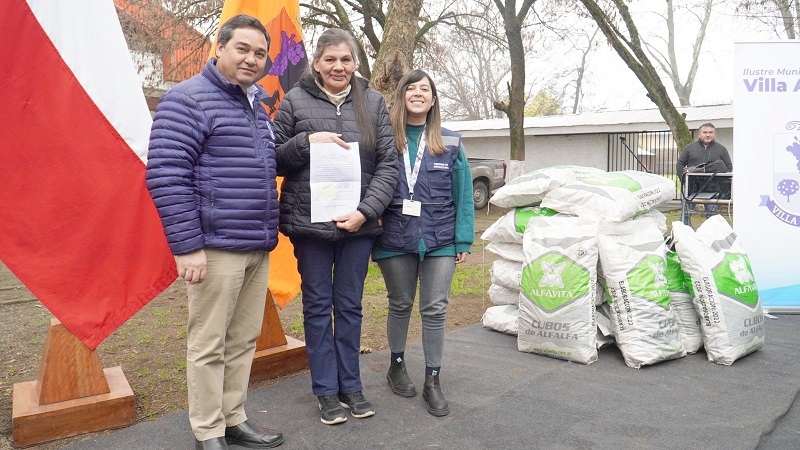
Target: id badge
point(412, 208)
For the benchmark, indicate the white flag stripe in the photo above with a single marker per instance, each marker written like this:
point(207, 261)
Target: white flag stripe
point(106, 72)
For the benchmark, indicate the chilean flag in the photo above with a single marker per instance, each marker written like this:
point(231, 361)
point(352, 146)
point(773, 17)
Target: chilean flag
point(77, 224)
point(285, 65)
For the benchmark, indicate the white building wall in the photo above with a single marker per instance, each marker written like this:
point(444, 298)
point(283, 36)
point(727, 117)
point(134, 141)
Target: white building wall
point(578, 149)
point(544, 151)
point(725, 137)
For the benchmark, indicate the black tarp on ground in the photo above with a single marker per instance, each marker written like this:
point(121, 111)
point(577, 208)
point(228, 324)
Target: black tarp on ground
point(503, 399)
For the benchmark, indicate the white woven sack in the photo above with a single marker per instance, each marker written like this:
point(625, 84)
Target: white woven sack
point(507, 250)
point(633, 257)
point(529, 189)
point(605, 331)
point(501, 318)
point(557, 290)
point(614, 196)
point(601, 295)
point(725, 291)
point(681, 300)
point(501, 295)
point(510, 227)
point(506, 273)
point(658, 218)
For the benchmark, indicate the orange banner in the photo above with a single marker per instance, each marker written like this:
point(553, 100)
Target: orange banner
point(287, 60)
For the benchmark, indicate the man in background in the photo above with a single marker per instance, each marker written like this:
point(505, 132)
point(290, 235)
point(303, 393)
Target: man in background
point(703, 155)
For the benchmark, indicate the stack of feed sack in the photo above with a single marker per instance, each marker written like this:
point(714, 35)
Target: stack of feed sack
point(505, 239)
point(530, 188)
point(633, 259)
point(577, 237)
point(612, 196)
point(725, 291)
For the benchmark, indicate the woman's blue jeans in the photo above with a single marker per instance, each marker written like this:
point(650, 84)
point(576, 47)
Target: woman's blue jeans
point(332, 280)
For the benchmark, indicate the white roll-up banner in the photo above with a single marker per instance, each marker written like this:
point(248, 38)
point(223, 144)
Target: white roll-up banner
point(766, 167)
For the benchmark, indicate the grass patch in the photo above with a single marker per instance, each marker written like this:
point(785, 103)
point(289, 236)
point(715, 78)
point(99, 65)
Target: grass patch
point(295, 324)
point(145, 338)
point(374, 282)
point(470, 280)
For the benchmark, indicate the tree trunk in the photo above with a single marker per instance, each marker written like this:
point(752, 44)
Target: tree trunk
point(396, 54)
point(788, 18)
point(515, 106)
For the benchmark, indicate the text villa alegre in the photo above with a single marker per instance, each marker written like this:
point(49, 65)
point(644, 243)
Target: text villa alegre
point(766, 80)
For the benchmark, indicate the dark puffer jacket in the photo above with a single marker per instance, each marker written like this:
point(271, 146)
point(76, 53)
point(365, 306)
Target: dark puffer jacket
point(211, 167)
point(306, 110)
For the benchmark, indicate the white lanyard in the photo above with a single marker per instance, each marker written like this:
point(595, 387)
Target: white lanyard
point(411, 176)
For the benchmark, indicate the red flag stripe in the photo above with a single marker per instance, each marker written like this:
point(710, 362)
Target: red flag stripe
point(77, 225)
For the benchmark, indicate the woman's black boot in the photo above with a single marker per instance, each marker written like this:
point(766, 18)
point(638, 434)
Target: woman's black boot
point(399, 381)
point(432, 393)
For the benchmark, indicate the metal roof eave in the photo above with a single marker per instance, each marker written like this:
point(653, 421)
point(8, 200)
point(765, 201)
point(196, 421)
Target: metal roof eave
point(634, 121)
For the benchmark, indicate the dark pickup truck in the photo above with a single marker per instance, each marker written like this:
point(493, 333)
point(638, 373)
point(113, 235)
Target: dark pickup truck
point(487, 175)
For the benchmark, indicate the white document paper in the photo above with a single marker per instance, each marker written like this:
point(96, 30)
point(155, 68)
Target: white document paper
point(335, 180)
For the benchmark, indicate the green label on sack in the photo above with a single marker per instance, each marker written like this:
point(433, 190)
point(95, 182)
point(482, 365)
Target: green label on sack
point(734, 278)
point(552, 281)
point(614, 179)
point(523, 215)
point(648, 280)
point(689, 286)
point(675, 276)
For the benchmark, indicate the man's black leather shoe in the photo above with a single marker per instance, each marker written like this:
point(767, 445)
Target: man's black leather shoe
point(211, 444)
point(246, 435)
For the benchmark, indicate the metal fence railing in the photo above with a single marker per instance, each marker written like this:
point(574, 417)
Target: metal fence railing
point(652, 151)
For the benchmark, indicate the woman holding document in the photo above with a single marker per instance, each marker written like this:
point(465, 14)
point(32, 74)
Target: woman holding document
point(428, 229)
point(328, 106)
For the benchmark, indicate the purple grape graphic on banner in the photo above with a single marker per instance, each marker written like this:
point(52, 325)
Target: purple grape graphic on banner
point(291, 52)
point(794, 149)
point(788, 187)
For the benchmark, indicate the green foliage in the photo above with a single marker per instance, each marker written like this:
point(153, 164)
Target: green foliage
point(543, 104)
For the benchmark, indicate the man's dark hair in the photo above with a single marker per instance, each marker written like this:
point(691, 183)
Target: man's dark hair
point(707, 125)
point(240, 21)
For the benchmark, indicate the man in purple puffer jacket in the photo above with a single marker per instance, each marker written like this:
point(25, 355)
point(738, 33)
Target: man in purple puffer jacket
point(211, 172)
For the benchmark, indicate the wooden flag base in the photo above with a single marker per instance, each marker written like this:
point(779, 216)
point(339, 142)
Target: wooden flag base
point(73, 395)
point(276, 353)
